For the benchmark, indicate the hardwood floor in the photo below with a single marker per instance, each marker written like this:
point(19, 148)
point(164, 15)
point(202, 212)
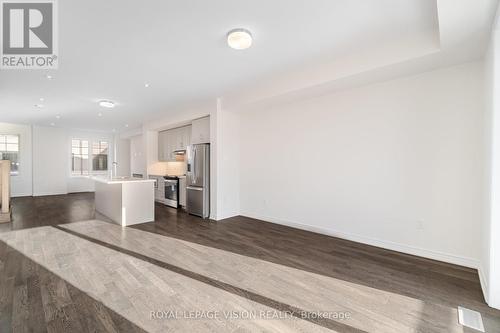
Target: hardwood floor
point(62, 269)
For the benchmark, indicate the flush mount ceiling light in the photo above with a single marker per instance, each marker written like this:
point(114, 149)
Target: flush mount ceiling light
point(146, 85)
point(107, 104)
point(49, 77)
point(58, 116)
point(239, 39)
point(39, 106)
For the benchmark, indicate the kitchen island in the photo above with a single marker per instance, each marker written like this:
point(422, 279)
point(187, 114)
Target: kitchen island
point(126, 201)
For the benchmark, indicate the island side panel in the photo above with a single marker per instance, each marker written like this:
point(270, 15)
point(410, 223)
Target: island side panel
point(108, 200)
point(138, 202)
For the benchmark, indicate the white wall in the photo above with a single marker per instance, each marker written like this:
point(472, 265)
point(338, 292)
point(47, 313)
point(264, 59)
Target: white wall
point(484, 270)
point(228, 164)
point(122, 151)
point(490, 263)
point(151, 143)
point(137, 155)
point(397, 164)
point(50, 161)
point(52, 156)
point(21, 184)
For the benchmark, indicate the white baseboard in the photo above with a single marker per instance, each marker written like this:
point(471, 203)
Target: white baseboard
point(224, 216)
point(484, 283)
point(389, 245)
point(20, 195)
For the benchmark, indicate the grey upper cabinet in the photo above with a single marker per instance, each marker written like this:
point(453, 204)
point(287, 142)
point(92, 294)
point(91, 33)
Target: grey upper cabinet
point(172, 140)
point(200, 130)
point(187, 136)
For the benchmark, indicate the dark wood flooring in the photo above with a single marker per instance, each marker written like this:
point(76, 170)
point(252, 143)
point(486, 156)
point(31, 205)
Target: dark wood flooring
point(34, 295)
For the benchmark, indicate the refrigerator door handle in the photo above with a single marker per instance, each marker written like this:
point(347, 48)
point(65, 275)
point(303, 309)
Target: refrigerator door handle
point(193, 166)
point(194, 188)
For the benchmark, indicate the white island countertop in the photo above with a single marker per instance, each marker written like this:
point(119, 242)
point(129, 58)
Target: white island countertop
point(122, 180)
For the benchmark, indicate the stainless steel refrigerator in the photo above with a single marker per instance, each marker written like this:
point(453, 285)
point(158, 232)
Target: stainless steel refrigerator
point(198, 180)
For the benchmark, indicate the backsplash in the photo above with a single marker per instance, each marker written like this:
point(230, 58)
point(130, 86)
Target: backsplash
point(176, 168)
point(168, 168)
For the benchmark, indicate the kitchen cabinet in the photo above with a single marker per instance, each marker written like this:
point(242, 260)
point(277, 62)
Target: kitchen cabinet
point(172, 140)
point(200, 130)
point(182, 191)
point(186, 137)
point(182, 137)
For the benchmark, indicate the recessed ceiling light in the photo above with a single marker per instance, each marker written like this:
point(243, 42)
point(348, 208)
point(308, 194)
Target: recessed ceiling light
point(100, 114)
point(107, 104)
point(42, 99)
point(49, 77)
point(39, 106)
point(146, 85)
point(52, 124)
point(113, 130)
point(126, 125)
point(58, 116)
point(239, 39)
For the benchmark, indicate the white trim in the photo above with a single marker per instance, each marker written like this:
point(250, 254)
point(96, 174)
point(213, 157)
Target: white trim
point(484, 283)
point(408, 249)
point(221, 217)
point(22, 194)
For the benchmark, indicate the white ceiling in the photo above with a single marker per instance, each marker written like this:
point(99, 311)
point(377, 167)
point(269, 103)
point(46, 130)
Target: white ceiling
point(109, 49)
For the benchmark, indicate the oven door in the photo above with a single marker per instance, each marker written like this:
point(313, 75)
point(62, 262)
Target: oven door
point(172, 192)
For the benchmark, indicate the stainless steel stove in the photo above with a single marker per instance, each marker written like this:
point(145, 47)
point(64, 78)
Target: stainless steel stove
point(171, 191)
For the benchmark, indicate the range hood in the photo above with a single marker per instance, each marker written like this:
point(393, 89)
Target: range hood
point(179, 152)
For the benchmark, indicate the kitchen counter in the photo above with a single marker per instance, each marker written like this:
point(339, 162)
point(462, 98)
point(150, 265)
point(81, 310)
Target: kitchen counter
point(181, 176)
point(126, 201)
point(122, 180)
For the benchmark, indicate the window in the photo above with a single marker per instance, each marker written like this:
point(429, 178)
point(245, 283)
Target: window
point(79, 157)
point(9, 150)
point(100, 156)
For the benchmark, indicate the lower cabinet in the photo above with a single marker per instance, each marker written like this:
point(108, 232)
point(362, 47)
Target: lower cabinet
point(182, 191)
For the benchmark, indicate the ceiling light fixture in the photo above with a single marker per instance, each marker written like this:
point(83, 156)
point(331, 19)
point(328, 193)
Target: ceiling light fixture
point(58, 116)
point(49, 77)
point(146, 85)
point(107, 104)
point(126, 125)
point(39, 106)
point(100, 114)
point(52, 124)
point(239, 39)
point(42, 99)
